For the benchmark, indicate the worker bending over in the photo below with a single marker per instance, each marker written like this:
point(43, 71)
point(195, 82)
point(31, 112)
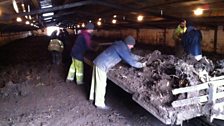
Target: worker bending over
point(119, 50)
point(81, 45)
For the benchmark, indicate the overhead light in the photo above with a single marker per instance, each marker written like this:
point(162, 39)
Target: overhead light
point(83, 25)
point(28, 8)
point(15, 6)
point(31, 24)
point(114, 21)
point(100, 19)
point(48, 14)
point(19, 19)
point(198, 11)
point(99, 23)
point(78, 26)
point(140, 18)
point(115, 16)
point(23, 7)
point(47, 18)
point(48, 6)
point(161, 12)
point(36, 26)
point(90, 21)
point(48, 21)
point(27, 22)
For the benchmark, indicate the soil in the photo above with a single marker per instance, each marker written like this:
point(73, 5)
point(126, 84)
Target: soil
point(33, 91)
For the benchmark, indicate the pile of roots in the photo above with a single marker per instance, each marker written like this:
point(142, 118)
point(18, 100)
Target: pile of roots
point(164, 73)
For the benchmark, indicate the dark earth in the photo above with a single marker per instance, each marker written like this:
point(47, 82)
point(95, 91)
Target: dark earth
point(33, 92)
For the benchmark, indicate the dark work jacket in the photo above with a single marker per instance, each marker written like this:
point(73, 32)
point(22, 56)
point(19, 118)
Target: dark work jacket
point(114, 54)
point(191, 41)
point(81, 45)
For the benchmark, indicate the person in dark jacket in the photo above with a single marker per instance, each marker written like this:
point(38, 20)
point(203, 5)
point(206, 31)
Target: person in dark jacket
point(64, 37)
point(118, 51)
point(191, 41)
point(54, 34)
point(81, 45)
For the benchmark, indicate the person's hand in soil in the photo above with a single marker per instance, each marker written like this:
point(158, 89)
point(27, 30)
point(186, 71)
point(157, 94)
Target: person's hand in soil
point(144, 64)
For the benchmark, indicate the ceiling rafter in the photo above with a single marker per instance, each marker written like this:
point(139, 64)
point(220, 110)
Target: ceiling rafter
point(52, 9)
point(132, 9)
point(36, 3)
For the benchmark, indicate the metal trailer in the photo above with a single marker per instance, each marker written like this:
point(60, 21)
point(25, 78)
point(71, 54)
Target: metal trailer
point(210, 104)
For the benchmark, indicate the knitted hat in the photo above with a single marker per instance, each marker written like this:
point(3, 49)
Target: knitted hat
point(190, 23)
point(130, 40)
point(89, 26)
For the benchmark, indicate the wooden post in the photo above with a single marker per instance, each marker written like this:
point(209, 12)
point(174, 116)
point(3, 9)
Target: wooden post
point(164, 36)
point(212, 98)
point(137, 36)
point(215, 40)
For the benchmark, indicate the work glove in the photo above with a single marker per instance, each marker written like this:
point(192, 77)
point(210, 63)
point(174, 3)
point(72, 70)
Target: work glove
point(144, 64)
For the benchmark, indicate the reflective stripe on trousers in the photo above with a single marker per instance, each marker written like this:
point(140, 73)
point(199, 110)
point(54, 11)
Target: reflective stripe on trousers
point(76, 68)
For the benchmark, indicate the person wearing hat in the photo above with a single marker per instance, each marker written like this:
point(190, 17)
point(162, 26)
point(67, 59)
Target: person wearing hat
point(191, 41)
point(119, 50)
point(56, 48)
point(81, 45)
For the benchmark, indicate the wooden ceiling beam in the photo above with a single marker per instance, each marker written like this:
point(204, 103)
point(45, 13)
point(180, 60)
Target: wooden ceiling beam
point(131, 9)
point(36, 3)
point(52, 9)
point(103, 3)
point(7, 2)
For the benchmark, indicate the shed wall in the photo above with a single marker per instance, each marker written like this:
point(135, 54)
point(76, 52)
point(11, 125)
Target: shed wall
point(164, 37)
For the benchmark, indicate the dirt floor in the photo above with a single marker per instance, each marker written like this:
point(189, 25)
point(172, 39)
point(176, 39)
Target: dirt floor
point(33, 92)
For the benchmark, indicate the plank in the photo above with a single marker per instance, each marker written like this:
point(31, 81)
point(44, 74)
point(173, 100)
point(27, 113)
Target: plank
point(190, 101)
point(217, 78)
point(190, 88)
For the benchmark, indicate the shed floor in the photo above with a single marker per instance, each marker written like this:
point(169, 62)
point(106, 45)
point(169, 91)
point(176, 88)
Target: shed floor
point(33, 93)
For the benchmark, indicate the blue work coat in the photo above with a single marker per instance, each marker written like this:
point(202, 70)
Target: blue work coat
point(191, 41)
point(80, 46)
point(114, 54)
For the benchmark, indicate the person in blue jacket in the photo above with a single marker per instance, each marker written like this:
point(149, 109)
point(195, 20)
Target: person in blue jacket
point(119, 50)
point(82, 44)
point(191, 41)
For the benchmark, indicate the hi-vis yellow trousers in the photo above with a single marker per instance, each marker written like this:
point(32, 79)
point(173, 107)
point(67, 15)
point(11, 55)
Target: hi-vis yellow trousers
point(76, 69)
point(98, 86)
